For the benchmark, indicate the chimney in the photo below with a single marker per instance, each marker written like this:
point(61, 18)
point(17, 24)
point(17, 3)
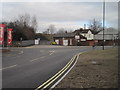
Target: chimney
point(84, 26)
point(65, 31)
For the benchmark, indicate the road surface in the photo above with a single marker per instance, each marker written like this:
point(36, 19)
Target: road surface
point(31, 66)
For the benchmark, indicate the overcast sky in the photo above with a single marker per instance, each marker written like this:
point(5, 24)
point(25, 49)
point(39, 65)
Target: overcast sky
point(68, 15)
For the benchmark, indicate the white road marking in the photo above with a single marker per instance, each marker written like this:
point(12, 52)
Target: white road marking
point(42, 50)
point(8, 67)
point(42, 57)
point(37, 59)
point(21, 52)
point(15, 55)
point(51, 52)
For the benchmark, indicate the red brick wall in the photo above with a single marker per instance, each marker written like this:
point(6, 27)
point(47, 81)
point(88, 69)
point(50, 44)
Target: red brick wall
point(91, 42)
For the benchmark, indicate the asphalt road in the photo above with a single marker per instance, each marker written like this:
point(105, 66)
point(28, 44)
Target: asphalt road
point(30, 67)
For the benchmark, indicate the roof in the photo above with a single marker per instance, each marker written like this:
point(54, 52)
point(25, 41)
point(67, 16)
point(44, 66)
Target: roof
point(85, 31)
point(65, 35)
point(82, 31)
point(109, 31)
point(109, 34)
point(106, 37)
point(82, 37)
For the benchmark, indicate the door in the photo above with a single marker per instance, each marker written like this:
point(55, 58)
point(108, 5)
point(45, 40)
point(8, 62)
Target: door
point(57, 41)
point(70, 41)
point(65, 42)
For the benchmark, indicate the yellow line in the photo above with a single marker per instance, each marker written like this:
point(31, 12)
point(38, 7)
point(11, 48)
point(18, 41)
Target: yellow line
point(56, 74)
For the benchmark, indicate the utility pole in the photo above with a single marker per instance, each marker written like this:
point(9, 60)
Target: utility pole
point(103, 21)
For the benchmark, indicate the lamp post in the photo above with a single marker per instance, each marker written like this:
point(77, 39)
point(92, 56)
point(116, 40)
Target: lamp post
point(103, 21)
point(21, 41)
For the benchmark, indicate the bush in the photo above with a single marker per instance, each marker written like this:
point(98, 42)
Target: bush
point(16, 44)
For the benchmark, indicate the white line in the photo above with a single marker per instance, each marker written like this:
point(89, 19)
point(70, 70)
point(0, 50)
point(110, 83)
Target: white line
point(65, 73)
point(37, 59)
point(50, 53)
point(42, 50)
point(8, 67)
point(21, 52)
point(34, 59)
point(42, 57)
point(53, 51)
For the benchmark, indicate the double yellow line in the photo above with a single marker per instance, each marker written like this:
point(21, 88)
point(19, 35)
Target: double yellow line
point(57, 75)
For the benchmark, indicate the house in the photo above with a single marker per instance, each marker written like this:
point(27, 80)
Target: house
point(110, 37)
point(69, 39)
point(88, 33)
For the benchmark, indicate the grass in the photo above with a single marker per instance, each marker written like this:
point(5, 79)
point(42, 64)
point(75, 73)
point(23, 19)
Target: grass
point(96, 69)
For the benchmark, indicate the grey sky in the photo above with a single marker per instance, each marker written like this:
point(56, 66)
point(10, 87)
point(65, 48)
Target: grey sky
point(68, 15)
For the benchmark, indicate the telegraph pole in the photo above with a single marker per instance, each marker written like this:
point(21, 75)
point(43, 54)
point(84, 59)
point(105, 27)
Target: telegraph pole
point(103, 21)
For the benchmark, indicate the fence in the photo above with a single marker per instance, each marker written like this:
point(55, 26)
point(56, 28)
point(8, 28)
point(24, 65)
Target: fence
point(27, 43)
point(45, 42)
point(32, 42)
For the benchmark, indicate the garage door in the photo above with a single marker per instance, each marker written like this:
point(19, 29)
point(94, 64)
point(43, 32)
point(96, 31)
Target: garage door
point(65, 42)
point(57, 42)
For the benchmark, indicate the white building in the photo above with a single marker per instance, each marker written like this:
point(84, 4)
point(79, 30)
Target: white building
point(87, 33)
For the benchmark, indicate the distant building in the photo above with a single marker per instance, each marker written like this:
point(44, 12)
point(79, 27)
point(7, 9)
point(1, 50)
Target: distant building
point(69, 39)
point(88, 34)
point(110, 37)
point(86, 37)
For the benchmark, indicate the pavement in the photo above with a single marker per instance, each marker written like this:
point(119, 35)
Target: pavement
point(29, 67)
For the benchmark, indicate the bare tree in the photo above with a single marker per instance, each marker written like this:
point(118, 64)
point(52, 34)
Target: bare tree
point(23, 26)
point(95, 26)
point(51, 29)
point(34, 23)
point(60, 31)
point(46, 31)
point(24, 20)
point(69, 31)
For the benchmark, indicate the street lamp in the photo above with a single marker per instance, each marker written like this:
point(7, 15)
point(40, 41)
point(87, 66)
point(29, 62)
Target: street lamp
point(103, 21)
point(21, 41)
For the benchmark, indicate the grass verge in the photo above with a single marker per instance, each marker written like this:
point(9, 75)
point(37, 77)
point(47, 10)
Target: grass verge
point(96, 69)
